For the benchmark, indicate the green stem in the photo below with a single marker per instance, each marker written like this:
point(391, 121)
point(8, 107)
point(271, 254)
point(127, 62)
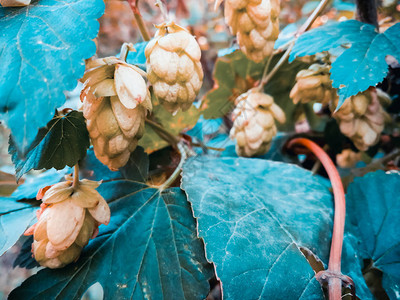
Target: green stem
point(311, 19)
point(177, 172)
point(163, 10)
point(75, 183)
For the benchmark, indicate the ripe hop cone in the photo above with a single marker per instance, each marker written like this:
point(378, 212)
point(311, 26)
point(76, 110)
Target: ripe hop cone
point(254, 123)
point(115, 104)
point(69, 217)
point(361, 118)
point(173, 66)
point(313, 84)
point(256, 25)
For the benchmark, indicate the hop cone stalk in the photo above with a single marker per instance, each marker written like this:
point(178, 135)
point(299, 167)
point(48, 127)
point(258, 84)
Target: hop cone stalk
point(173, 66)
point(69, 217)
point(254, 123)
point(313, 84)
point(115, 104)
point(256, 25)
point(361, 118)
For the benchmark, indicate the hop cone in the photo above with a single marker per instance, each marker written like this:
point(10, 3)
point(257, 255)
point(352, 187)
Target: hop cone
point(174, 68)
point(313, 84)
point(68, 218)
point(115, 104)
point(254, 123)
point(256, 25)
point(361, 118)
point(14, 3)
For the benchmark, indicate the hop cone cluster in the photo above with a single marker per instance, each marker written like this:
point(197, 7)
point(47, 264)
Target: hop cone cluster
point(69, 217)
point(115, 104)
point(254, 123)
point(173, 66)
point(256, 25)
point(313, 84)
point(361, 118)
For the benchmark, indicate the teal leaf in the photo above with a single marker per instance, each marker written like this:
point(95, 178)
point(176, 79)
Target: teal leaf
point(358, 67)
point(42, 50)
point(373, 205)
point(253, 216)
point(63, 142)
point(15, 217)
point(149, 250)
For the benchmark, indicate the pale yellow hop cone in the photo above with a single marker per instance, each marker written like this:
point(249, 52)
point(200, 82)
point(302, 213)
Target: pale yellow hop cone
point(313, 84)
point(361, 118)
point(14, 3)
point(256, 25)
point(68, 218)
point(115, 104)
point(254, 123)
point(173, 66)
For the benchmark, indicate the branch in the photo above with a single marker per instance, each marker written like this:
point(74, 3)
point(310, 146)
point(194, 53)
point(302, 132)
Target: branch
point(75, 183)
point(139, 20)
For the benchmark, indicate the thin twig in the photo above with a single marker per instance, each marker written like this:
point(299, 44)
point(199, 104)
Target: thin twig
point(134, 4)
point(283, 59)
point(207, 147)
point(311, 19)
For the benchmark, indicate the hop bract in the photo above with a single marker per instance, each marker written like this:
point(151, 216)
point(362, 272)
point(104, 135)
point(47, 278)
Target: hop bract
point(254, 123)
point(256, 25)
point(69, 217)
point(115, 104)
point(173, 66)
point(313, 84)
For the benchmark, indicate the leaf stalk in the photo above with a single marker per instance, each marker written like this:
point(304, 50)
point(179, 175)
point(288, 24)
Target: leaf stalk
point(134, 4)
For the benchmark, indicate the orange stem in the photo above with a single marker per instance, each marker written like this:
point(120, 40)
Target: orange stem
point(334, 267)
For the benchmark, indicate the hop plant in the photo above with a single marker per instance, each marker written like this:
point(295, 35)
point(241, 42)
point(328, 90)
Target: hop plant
point(115, 104)
point(361, 118)
point(14, 3)
point(256, 25)
point(173, 66)
point(313, 84)
point(69, 217)
point(254, 123)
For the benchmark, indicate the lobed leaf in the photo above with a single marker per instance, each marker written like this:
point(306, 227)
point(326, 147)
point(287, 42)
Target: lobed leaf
point(42, 56)
point(149, 250)
point(253, 216)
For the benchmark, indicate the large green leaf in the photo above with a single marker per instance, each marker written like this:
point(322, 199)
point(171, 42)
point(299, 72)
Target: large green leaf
point(254, 215)
point(63, 142)
point(42, 52)
point(15, 217)
point(358, 67)
point(373, 210)
point(149, 250)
